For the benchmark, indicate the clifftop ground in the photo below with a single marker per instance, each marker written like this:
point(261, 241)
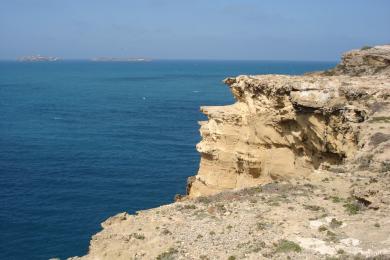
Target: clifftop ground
point(298, 167)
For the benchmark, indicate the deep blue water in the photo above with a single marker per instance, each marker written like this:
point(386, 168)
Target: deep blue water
point(82, 141)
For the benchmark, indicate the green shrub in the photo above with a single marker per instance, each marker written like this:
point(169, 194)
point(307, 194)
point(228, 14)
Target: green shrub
point(168, 255)
point(285, 246)
point(351, 208)
point(366, 47)
point(336, 199)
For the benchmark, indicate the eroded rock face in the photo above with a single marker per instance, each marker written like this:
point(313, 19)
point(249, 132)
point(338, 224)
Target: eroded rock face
point(285, 126)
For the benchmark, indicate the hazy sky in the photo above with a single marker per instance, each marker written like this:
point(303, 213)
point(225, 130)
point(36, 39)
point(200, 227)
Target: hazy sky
point(200, 29)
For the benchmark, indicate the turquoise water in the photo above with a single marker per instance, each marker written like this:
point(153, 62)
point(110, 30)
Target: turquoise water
point(82, 141)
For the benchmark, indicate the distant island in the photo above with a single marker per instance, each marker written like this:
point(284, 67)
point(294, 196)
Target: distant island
point(120, 59)
point(36, 58)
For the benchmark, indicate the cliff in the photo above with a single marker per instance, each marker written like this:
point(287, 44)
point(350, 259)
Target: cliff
point(298, 167)
point(287, 126)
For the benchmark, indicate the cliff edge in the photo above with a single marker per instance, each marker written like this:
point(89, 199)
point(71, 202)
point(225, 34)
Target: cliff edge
point(287, 126)
point(298, 168)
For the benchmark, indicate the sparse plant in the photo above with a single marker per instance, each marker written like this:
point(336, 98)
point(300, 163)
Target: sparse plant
point(322, 228)
point(287, 246)
point(309, 185)
point(166, 232)
point(329, 72)
point(336, 199)
point(385, 166)
point(261, 226)
point(351, 208)
point(190, 206)
point(258, 247)
point(138, 236)
point(377, 225)
point(232, 257)
point(340, 251)
point(204, 200)
point(168, 255)
point(365, 47)
point(257, 189)
point(380, 119)
point(274, 204)
point(334, 223)
point(324, 215)
point(331, 236)
point(221, 208)
point(365, 162)
point(313, 207)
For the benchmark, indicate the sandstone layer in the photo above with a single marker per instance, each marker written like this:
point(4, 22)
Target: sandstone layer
point(297, 168)
point(287, 126)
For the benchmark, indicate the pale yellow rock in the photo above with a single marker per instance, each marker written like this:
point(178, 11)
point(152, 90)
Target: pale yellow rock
point(282, 127)
point(285, 126)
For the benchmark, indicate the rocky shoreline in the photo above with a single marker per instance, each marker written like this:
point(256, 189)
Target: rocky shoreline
point(298, 168)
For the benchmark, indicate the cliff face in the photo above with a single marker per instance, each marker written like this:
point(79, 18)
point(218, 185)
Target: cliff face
point(317, 150)
point(287, 126)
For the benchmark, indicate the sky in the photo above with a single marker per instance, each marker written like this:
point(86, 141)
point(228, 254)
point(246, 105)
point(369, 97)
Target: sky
point(192, 29)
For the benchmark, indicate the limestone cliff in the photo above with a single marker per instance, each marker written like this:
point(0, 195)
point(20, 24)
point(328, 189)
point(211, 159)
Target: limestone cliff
point(287, 126)
point(316, 148)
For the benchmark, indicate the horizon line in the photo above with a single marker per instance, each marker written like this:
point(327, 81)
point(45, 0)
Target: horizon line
point(147, 60)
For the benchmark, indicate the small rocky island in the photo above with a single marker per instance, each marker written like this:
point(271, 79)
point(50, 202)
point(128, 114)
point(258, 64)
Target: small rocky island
point(37, 58)
point(297, 168)
point(113, 59)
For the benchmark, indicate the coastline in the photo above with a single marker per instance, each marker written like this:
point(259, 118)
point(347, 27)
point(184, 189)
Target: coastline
point(333, 205)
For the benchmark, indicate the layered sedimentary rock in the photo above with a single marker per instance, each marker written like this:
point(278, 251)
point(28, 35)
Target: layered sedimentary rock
point(287, 126)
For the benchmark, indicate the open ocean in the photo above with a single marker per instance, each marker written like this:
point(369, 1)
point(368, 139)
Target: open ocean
point(82, 141)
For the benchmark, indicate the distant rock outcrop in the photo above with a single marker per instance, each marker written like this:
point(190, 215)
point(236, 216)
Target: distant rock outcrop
point(364, 62)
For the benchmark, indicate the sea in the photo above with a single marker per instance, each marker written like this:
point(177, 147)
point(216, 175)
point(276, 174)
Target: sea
point(81, 141)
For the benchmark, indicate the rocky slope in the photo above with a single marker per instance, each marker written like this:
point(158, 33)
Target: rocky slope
point(298, 167)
